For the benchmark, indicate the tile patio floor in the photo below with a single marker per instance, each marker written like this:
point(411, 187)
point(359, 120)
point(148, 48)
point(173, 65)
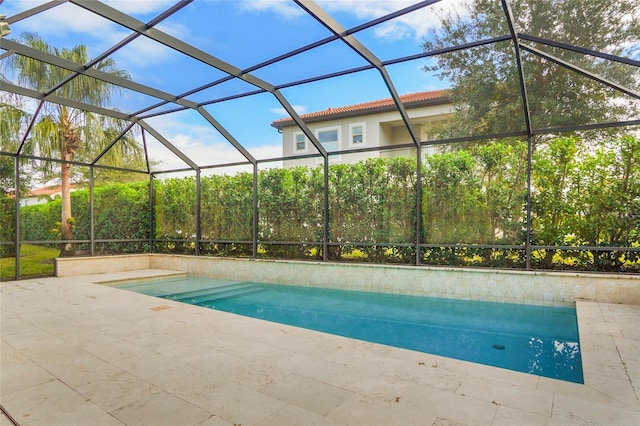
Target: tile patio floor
point(76, 353)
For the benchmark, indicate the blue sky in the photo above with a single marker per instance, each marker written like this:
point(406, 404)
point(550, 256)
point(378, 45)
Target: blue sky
point(243, 33)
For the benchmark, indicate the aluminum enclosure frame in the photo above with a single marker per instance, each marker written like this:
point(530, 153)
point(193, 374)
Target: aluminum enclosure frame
point(347, 36)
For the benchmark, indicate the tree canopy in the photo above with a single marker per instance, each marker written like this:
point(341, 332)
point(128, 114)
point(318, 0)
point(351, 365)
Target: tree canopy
point(66, 133)
point(485, 81)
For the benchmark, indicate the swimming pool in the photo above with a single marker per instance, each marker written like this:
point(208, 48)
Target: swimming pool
point(538, 340)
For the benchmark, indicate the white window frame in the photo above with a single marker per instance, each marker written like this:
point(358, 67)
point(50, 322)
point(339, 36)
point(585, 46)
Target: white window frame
point(364, 135)
point(295, 143)
point(339, 141)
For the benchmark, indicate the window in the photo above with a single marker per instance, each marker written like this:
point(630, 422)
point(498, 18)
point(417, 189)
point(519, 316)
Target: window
point(357, 134)
point(329, 138)
point(299, 142)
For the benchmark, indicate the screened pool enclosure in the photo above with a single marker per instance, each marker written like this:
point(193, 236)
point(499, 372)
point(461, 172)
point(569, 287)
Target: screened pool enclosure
point(496, 134)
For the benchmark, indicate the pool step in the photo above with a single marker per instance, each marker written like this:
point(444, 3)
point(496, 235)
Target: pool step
point(207, 295)
point(201, 291)
point(227, 295)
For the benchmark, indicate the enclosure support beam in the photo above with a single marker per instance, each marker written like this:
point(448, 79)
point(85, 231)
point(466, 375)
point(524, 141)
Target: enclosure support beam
point(17, 214)
point(228, 136)
point(328, 22)
point(254, 227)
point(152, 216)
point(34, 11)
point(246, 154)
point(529, 229)
point(92, 236)
point(326, 222)
point(290, 54)
point(583, 50)
point(303, 126)
point(77, 69)
point(168, 145)
point(198, 211)
point(12, 88)
point(518, 56)
point(527, 118)
point(171, 42)
point(583, 72)
point(32, 122)
point(146, 150)
point(325, 155)
point(113, 142)
point(332, 25)
point(385, 63)
point(418, 203)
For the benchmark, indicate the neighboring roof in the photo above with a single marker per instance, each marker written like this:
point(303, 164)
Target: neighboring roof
point(48, 191)
point(410, 100)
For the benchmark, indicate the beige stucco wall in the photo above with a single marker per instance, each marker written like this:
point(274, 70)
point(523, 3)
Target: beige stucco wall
point(554, 288)
point(69, 266)
point(382, 129)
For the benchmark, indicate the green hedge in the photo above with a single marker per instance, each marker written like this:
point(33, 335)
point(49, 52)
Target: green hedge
point(584, 194)
point(7, 226)
point(121, 211)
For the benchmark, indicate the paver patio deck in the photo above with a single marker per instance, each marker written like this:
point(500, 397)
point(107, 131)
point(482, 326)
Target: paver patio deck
point(76, 353)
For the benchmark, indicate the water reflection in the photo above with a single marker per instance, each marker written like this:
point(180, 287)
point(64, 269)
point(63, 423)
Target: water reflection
point(555, 357)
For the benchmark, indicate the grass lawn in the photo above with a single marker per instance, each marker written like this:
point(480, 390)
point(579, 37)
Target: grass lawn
point(34, 260)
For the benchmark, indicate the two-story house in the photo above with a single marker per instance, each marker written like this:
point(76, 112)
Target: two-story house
point(365, 125)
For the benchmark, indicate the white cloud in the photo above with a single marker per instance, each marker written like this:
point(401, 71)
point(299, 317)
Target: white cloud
point(142, 52)
point(64, 18)
point(283, 8)
point(191, 145)
point(201, 143)
point(178, 31)
point(367, 9)
point(140, 7)
point(134, 7)
point(180, 124)
point(266, 151)
point(206, 154)
point(14, 7)
point(67, 21)
point(300, 109)
point(412, 25)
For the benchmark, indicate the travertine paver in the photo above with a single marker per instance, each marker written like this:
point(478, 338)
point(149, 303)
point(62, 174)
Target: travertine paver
point(54, 403)
point(160, 408)
point(117, 391)
point(292, 415)
point(582, 411)
point(78, 353)
point(609, 344)
point(309, 394)
point(19, 372)
point(508, 394)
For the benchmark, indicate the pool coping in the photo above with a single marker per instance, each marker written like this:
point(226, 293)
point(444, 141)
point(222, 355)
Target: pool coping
point(500, 285)
point(296, 376)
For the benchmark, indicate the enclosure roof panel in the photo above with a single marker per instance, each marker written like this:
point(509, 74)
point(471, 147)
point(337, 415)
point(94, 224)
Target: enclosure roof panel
point(174, 70)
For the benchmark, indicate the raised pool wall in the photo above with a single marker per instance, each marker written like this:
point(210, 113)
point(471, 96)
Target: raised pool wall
point(528, 287)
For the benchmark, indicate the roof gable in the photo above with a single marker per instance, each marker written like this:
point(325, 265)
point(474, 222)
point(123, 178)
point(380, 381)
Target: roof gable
point(410, 100)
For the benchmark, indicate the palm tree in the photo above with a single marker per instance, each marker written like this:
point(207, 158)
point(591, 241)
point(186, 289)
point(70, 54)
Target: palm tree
point(12, 119)
point(65, 132)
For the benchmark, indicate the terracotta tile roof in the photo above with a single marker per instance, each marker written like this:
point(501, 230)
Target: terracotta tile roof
point(42, 192)
point(48, 190)
point(411, 99)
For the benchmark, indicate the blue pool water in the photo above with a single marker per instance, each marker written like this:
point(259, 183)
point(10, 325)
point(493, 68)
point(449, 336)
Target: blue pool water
point(539, 340)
